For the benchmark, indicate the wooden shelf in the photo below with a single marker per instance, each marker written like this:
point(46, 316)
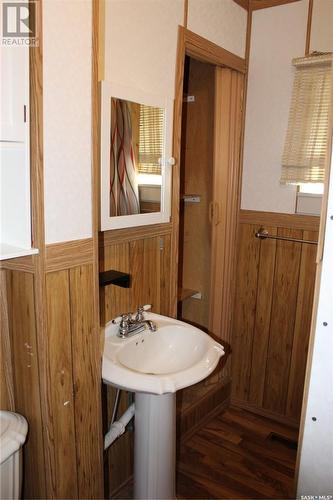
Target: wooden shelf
point(112, 277)
point(185, 293)
point(12, 252)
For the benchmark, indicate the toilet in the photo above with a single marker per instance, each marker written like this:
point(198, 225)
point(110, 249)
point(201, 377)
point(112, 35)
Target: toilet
point(13, 433)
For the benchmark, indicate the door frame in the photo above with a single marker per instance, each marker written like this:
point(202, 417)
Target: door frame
point(197, 47)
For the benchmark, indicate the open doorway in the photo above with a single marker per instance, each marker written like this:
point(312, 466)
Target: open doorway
point(207, 204)
point(196, 193)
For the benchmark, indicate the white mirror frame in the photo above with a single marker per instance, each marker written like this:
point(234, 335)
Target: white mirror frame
point(109, 90)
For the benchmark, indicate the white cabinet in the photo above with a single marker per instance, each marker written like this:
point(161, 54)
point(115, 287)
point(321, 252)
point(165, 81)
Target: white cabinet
point(15, 213)
point(14, 92)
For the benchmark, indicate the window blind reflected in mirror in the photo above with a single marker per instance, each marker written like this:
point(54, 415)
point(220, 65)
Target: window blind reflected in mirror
point(136, 150)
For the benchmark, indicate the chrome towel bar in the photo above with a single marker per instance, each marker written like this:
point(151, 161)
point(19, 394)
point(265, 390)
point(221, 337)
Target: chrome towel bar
point(263, 234)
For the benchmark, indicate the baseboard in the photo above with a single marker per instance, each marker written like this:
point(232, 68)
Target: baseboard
point(281, 419)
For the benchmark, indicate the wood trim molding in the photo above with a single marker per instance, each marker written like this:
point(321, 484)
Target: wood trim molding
point(291, 221)
point(125, 235)
point(229, 87)
point(98, 59)
point(243, 3)
point(24, 264)
point(246, 79)
point(69, 254)
point(261, 4)
point(308, 29)
point(176, 148)
point(265, 4)
point(204, 50)
point(38, 240)
point(101, 40)
point(185, 13)
point(245, 405)
point(199, 48)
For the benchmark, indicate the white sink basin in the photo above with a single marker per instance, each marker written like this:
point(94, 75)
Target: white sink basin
point(175, 356)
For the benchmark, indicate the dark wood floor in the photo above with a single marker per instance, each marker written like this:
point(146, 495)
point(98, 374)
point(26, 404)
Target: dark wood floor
point(236, 455)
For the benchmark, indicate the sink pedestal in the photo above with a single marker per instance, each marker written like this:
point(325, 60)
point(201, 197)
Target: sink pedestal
point(155, 446)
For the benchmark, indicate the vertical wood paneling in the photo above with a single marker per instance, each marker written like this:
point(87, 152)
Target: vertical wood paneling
point(165, 275)
point(302, 326)
point(272, 316)
point(41, 328)
point(262, 318)
point(6, 371)
point(62, 455)
point(73, 452)
point(114, 299)
point(151, 275)
point(147, 260)
point(244, 310)
point(87, 382)
point(26, 375)
point(282, 321)
point(146, 269)
point(138, 289)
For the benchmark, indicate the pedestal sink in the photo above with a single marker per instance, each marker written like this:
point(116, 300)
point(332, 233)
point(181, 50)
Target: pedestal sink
point(155, 365)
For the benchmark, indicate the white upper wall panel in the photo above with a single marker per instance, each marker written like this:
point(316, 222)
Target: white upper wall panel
point(278, 35)
point(67, 119)
point(322, 26)
point(220, 21)
point(141, 43)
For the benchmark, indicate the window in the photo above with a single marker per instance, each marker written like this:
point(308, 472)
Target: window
point(316, 188)
point(151, 139)
point(303, 160)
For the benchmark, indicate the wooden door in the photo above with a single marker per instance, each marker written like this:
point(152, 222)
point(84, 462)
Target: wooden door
point(226, 194)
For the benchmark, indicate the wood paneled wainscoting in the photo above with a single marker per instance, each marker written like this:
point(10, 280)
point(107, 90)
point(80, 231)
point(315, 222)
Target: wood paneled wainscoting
point(54, 381)
point(20, 381)
point(272, 313)
point(144, 253)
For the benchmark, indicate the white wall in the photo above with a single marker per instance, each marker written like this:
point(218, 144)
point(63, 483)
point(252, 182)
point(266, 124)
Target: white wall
point(222, 22)
point(278, 35)
point(141, 43)
point(140, 51)
point(67, 119)
point(316, 464)
point(141, 38)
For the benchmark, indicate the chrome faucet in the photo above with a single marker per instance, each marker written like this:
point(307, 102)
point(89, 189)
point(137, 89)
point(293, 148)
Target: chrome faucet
point(129, 326)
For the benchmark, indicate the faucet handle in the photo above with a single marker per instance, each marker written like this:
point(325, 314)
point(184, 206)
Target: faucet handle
point(141, 309)
point(139, 314)
point(124, 324)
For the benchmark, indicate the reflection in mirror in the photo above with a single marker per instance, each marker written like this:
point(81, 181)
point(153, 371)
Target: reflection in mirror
point(136, 150)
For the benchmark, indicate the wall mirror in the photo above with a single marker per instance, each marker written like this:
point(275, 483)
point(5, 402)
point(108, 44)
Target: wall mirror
point(136, 137)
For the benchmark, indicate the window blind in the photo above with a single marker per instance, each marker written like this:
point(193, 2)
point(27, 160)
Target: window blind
point(303, 159)
point(151, 139)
